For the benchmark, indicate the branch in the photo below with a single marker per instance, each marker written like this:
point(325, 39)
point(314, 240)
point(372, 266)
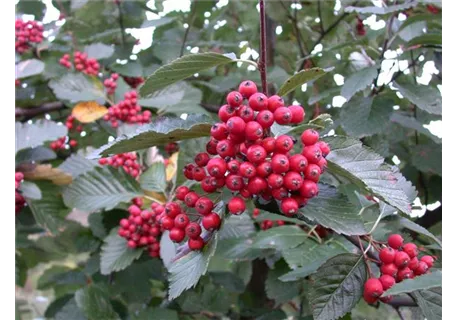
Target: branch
point(263, 61)
point(31, 112)
point(187, 31)
point(322, 28)
point(122, 29)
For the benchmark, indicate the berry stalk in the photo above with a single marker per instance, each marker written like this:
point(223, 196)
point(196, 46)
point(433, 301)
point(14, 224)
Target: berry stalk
point(262, 62)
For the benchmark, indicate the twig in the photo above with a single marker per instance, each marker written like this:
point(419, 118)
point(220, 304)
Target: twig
point(122, 29)
point(262, 62)
point(29, 113)
point(187, 31)
point(320, 17)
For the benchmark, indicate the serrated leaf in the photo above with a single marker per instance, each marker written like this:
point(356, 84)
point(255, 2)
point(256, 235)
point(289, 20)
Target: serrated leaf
point(366, 169)
point(88, 111)
point(57, 305)
point(180, 69)
point(37, 154)
point(240, 249)
point(423, 282)
point(300, 78)
point(240, 226)
point(334, 211)
point(337, 286)
point(381, 10)
point(427, 158)
point(426, 98)
point(277, 290)
point(168, 96)
point(30, 190)
point(430, 303)
point(280, 238)
point(29, 68)
point(115, 254)
point(167, 249)
point(358, 81)
point(99, 51)
point(94, 303)
point(157, 22)
point(406, 223)
point(77, 87)
point(412, 123)
point(70, 311)
point(154, 179)
point(157, 314)
point(75, 165)
point(265, 215)
point(186, 272)
point(60, 275)
point(47, 172)
point(411, 20)
point(35, 134)
point(101, 188)
point(426, 39)
point(321, 122)
point(160, 131)
point(130, 69)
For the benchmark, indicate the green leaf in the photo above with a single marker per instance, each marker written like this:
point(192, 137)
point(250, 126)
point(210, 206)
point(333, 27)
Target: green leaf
point(277, 290)
point(430, 303)
point(334, 211)
point(426, 39)
point(241, 249)
point(115, 254)
point(264, 215)
point(154, 179)
point(157, 22)
point(381, 10)
point(77, 87)
point(408, 224)
point(37, 154)
point(411, 20)
point(56, 305)
point(427, 158)
point(165, 97)
point(101, 188)
point(337, 286)
point(300, 78)
point(94, 303)
point(35, 134)
point(309, 256)
point(30, 190)
point(96, 225)
point(237, 227)
point(99, 51)
point(35, 7)
point(130, 69)
point(29, 68)
point(75, 165)
point(425, 281)
point(70, 311)
point(49, 210)
point(358, 81)
point(160, 131)
point(186, 272)
point(280, 238)
point(60, 275)
point(412, 123)
point(366, 169)
point(157, 314)
point(426, 98)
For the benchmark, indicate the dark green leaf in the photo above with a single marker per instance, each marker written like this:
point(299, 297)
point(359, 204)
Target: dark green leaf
point(29, 68)
point(426, 98)
point(35, 134)
point(94, 303)
point(412, 123)
point(99, 51)
point(56, 305)
point(300, 78)
point(277, 290)
point(280, 238)
point(425, 281)
point(427, 158)
point(130, 69)
point(406, 223)
point(101, 188)
point(70, 311)
point(35, 7)
point(426, 39)
point(154, 179)
point(157, 22)
point(75, 165)
point(59, 275)
point(237, 227)
point(240, 249)
point(77, 87)
point(37, 154)
point(30, 190)
point(264, 215)
point(430, 303)
point(97, 226)
point(358, 81)
point(337, 286)
point(157, 314)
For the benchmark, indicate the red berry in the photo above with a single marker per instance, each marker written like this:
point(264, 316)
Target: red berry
point(275, 102)
point(234, 182)
point(198, 173)
point(387, 281)
point(282, 115)
point(373, 288)
point(325, 150)
point(275, 180)
point(247, 88)
point(280, 163)
point(264, 169)
point(216, 167)
point(404, 273)
point(226, 148)
point(211, 147)
point(247, 170)
point(309, 137)
point(323, 164)
point(190, 199)
point(236, 205)
point(193, 230)
point(257, 185)
point(298, 163)
point(235, 125)
point(297, 114)
point(413, 264)
point(181, 192)
point(265, 118)
point(234, 99)
point(134, 210)
point(219, 131)
point(204, 205)
point(258, 101)
point(387, 255)
point(253, 131)
point(209, 184)
point(131, 244)
point(309, 189)
point(201, 159)
point(289, 207)
point(256, 154)
point(401, 260)
point(292, 181)
point(411, 249)
point(172, 209)
point(246, 113)
point(279, 193)
point(312, 172)
point(196, 244)
point(181, 221)
point(421, 269)
point(312, 153)
point(176, 234)
point(269, 144)
point(389, 269)
point(225, 112)
point(428, 260)
point(283, 144)
point(369, 299)
point(211, 221)
point(395, 241)
point(233, 166)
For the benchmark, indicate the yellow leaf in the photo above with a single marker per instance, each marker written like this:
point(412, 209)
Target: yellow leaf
point(89, 111)
point(154, 196)
point(47, 172)
point(171, 168)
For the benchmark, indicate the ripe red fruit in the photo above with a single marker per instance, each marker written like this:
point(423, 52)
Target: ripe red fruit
point(275, 180)
point(201, 159)
point(193, 230)
point(253, 131)
point(233, 166)
point(247, 170)
point(373, 288)
point(176, 234)
point(297, 114)
point(269, 144)
point(280, 163)
point(428, 260)
point(404, 273)
point(265, 118)
point(204, 205)
point(282, 115)
point(275, 102)
point(389, 269)
point(236, 205)
point(225, 112)
point(258, 101)
point(198, 173)
point(312, 153)
point(211, 147)
point(401, 260)
point(289, 207)
point(234, 182)
point(283, 144)
point(309, 137)
point(411, 249)
point(181, 192)
point(181, 221)
point(279, 193)
point(387, 281)
point(413, 263)
point(234, 99)
point(246, 113)
point(292, 181)
point(216, 167)
point(211, 221)
point(226, 148)
point(264, 169)
point(368, 298)
point(134, 210)
point(421, 269)
point(209, 184)
point(387, 255)
point(325, 150)
point(312, 172)
point(131, 244)
point(323, 164)
point(146, 215)
point(172, 209)
point(235, 125)
point(190, 199)
point(257, 185)
point(247, 88)
point(298, 163)
point(196, 244)
point(309, 189)
point(256, 154)
point(395, 241)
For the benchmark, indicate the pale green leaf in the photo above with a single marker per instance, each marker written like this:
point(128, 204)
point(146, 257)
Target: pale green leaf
point(301, 78)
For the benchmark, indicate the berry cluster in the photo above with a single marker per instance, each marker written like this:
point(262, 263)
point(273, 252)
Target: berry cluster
point(360, 29)
point(20, 201)
point(250, 162)
point(70, 124)
point(128, 161)
point(399, 261)
point(27, 33)
point(433, 9)
point(61, 143)
point(133, 82)
point(141, 228)
point(171, 148)
point(111, 84)
point(267, 224)
point(82, 63)
point(127, 110)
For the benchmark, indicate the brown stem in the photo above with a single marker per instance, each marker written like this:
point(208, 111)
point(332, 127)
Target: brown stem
point(29, 113)
point(263, 61)
point(121, 24)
